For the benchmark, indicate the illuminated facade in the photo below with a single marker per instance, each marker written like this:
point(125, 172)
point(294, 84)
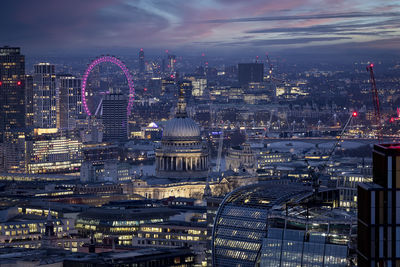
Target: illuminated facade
point(123, 224)
point(267, 224)
point(53, 153)
point(267, 158)
point(173, 234)
point(45, 102)
point(347, 184)
point(28, 231)
point(70, 101)
point(12, 90)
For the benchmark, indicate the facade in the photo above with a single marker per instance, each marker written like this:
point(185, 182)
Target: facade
point(379, 215)
point(155, 257)
point(29, 111)
point(45, 96)
point(182, 154)
point(347, 184)
point(121, 224)
point(53, 153)
point(268, 158)
point(171, 63)
point(70, 101)
point(30, 230)
point(240, 158)
point(141, 61)
point(173, 234)
point(115, 119)
point(267, 224)
point(12, 90)
point(250, 73)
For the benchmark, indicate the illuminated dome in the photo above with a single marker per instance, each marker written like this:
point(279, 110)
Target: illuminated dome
point(181, 127)
point(182, 154)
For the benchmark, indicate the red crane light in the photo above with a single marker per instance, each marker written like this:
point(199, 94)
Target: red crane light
point(371, 65)
point(19, 83)
point(1, 83)
point(355, 113)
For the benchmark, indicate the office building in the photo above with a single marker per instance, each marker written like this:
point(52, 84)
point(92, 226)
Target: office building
point(70, 101)
point(45, 96)
point(141, 61)
point(174, 234)
point(12, 90)
point(379, 213)
point(29, 111)
point(115, 117)
point(250, 73)
point(117, 223)
point(53, 152)
point(171, 63)
point(279, 223)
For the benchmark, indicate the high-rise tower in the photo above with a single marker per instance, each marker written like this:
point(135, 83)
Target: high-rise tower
point(70, 101)
point(115, 117)
point(141, 61)
point(12, 89)
point(379, 210)
point(45, 96)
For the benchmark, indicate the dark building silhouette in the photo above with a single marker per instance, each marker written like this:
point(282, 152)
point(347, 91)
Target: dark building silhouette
point(379, 210)
point(115, 117)
point(141, 61)
point(250, 73)
point(29, 111)
point(12, 89)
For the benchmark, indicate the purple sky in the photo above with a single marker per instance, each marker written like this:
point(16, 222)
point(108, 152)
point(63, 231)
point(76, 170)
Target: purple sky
point(44, 27)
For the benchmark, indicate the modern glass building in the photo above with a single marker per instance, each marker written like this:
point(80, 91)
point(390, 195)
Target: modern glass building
point(241, 221)
point(282, 223)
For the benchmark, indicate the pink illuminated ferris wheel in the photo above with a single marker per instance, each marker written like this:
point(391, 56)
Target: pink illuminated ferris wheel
point(124, 69)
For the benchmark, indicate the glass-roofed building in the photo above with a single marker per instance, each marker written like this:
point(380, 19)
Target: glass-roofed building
point(282, 223)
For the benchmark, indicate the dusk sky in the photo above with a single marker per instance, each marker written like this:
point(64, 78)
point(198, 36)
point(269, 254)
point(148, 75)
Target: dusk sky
point(43, 27)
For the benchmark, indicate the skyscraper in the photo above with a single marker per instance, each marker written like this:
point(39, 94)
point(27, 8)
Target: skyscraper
point(45, 96)
point(115, 117)
point(379, 210)
point(12, 89)
point(141, 61)
point(70, 101)
point(171, 63)
point(250, 73)
point(29, 111)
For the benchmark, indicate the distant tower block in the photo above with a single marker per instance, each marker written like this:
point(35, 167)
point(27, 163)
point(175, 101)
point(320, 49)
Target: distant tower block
point(115, 117)
point(141, 61)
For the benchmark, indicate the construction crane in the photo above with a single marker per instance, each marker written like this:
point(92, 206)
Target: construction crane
point(315, 172)
point(375, 100)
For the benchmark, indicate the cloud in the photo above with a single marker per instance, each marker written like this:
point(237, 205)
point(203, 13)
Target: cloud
point(307, 17)
point(277, 41)
point(124, 25)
